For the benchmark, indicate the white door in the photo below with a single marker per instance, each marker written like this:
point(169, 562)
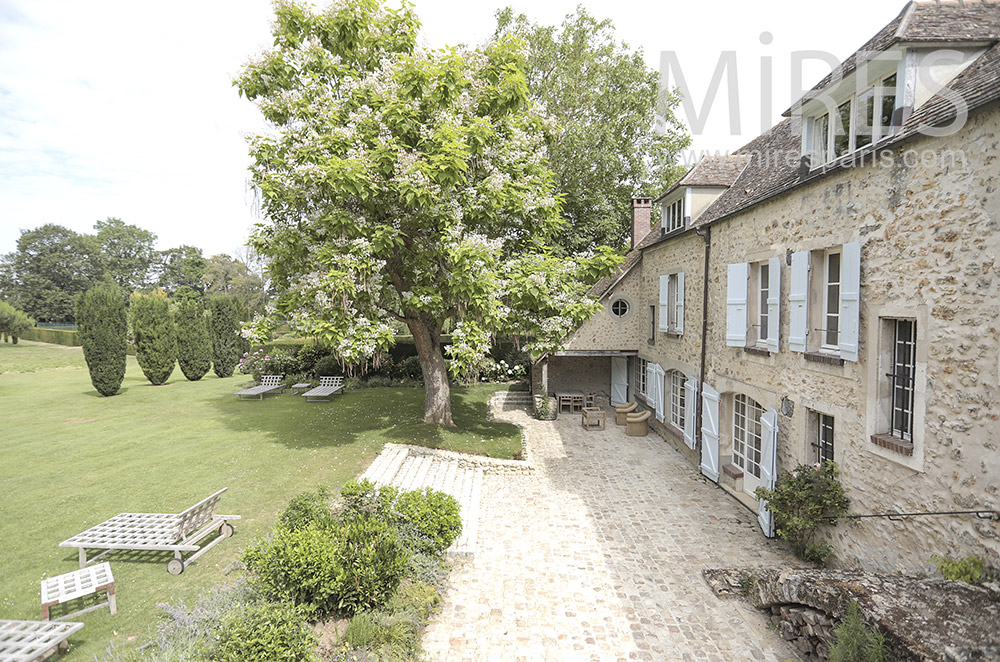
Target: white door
point(619, 380)
point(768, 467)
point(710, 432)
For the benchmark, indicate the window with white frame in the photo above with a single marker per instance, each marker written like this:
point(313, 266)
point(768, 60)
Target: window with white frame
point(675, 389)
point(821, 429)
point(672, 303)
point(639, 376)
point(831, 302)
point(855, 123)
point(824, 302)
point(902, 378)
point(747, 413)
point(673, 216)
point(752, 302)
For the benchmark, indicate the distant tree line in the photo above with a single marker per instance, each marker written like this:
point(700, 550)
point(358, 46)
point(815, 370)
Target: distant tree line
point(53, 265)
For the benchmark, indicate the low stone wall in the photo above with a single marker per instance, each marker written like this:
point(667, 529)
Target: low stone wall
point(809, 630)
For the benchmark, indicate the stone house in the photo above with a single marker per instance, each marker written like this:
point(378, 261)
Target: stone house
point(831, 290)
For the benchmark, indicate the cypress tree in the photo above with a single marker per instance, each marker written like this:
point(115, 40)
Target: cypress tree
point(102, 326)
point(194, 346)
point(242, 317)
point(226, 340)
point(153, 331)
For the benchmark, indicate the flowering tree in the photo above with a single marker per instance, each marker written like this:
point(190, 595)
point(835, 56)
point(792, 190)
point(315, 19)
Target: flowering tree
point(407, 186)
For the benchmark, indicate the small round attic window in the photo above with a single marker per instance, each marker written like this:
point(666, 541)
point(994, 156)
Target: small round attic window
point(619, 308)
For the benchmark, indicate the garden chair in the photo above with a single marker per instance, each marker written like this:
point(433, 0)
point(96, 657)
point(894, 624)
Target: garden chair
point(24, 641)
point(622, 412)
point(268, 384)
point(637, 424)
point(175, 533)
point(327, 387)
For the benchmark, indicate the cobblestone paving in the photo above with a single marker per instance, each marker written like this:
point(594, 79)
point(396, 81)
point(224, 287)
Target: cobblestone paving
point(597, 556)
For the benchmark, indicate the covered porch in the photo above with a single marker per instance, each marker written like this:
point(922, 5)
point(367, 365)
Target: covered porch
point(602, 372)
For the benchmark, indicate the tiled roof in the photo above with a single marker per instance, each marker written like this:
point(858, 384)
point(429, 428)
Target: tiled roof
point(717, 170)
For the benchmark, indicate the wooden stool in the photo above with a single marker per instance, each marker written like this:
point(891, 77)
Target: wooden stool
point(592, 416)
point(77, 584)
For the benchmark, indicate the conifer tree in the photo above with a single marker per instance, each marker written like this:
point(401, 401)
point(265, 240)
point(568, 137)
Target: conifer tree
point(102, 325)
point(194, 346)
point(224, 328)
point(153, 331)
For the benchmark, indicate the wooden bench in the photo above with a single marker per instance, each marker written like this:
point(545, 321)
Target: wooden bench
point(268, 384)
point(175, 533)
point(77, 584)
point(25, 641)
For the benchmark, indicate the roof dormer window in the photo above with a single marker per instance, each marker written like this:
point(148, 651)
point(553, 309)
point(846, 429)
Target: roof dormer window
point(673, 216)
point(855, 123)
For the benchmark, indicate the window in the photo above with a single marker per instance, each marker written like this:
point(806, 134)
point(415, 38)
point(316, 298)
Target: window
point(673, 216)
point(823, 439)
point(619, 308)
point(821, 140)
point(842, 132)
point(902, 379)
point(672, 303)
point(831, 302)
point(763, 288)
point(856, 123)
point(747, 434)
point(825, 303)
point(675, 386)
point(652, 322)
point(753, 304)
point(639, 375)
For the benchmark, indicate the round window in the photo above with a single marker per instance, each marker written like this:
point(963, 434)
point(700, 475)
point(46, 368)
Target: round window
point(619, 308)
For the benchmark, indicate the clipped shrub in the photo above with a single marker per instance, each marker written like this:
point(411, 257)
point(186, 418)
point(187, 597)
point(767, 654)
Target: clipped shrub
point(55, 336)
point(308, 509)
point(269, 631)
point(102, 327)
point(311, 353)
point(224, 328)
point(284, 363)
point(431, 518)
point(328, 366)
point(969, 569)
point(13, 322)
point(301, 567)
point(371, 562)
point(855, 641)
point(153, 332)
point(194, 346)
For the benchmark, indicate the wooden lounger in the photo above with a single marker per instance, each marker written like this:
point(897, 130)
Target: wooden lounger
point(268, 384)
point(327, 387)
point(24, 641)
point(175, 533)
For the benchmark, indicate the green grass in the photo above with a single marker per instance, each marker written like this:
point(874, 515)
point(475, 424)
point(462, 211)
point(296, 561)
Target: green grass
point(71, 459)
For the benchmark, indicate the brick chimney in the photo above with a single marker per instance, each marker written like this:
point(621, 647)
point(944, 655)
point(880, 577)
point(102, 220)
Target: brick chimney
point(641, 210)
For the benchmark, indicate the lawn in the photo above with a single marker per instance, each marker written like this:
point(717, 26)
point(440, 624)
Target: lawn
point(71, 459)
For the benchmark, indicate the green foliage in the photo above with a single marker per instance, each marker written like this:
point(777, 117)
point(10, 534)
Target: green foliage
point(855, 641)
point(13, 322)
point(361, 631)
point(284, 362)
point(329, 366)
point(802, 501)
point(153, 331)
point(308, 509)
point(224, 328)
point(371, 563)
point(102, 327)
point(270, 631)
point(126, 253)
point(242, 317)
point(311, 353)
point(969, 569)
point(194, 346)
point(65, 337)
point(179, 267)
point(608, 103)
point(225, 275)
point(432, 516)
point(417, 597)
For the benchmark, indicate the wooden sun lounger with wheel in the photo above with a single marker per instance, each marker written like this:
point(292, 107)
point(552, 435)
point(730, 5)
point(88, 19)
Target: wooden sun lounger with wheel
point(327, 387)
point(25, 641)
point(268, 384)
point(175, 533)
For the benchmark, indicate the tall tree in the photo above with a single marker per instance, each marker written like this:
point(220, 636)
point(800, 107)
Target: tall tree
point(226, 275)
point(126, 253)
point(153, 331)
point(51, 266)
point(607, 102)
point(102, 324)
point(403, 186)
point(194, 346)
point(224, 328)
point(180, 267)
point(13, 322)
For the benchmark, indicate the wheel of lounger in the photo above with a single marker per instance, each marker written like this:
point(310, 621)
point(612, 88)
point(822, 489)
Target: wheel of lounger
point(175, 566)
point(226, 530)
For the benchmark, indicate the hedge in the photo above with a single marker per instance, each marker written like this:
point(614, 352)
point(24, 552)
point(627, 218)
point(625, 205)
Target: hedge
point(54, 336)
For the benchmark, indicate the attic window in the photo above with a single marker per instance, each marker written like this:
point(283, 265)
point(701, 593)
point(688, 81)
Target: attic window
point(673, 216)
point(857, 122)
point(619, 308)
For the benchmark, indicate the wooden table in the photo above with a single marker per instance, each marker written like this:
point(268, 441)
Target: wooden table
point(301, 386)
point(77, 584)
point(592, 417)
point(570, 398)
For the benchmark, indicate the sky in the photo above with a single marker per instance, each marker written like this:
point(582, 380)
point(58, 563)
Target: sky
point(118, 108)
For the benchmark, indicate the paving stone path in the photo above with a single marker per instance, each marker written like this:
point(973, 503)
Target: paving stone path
point(597, 554)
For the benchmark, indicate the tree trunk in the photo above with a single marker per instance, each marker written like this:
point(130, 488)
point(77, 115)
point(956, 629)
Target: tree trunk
point(437, 392)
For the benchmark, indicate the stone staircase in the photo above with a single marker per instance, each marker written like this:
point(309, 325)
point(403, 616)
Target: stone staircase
point(407, 468)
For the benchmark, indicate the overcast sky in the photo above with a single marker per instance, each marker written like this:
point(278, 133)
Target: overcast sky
point(126, 109)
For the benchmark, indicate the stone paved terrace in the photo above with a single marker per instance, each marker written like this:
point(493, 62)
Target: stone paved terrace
point(597, 554)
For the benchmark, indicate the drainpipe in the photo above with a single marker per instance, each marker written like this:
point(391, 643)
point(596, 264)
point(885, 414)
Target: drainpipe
point(707, 236)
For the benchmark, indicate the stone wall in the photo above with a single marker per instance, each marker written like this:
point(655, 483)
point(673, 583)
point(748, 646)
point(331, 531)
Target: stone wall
point(930, 241)
point(590, 374)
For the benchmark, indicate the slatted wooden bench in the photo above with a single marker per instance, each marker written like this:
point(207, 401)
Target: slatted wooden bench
point(25, 641)
point(268, 384)
point(327, 387)
point(77, 584)
point(175, 533)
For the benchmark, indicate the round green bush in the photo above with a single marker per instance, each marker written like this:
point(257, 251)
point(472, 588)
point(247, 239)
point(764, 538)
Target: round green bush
point(432, 518)
point(329, 366)
point(308, 509)
point(311, 353)
point(371, 563)
point(276, 632)
point(102, 326)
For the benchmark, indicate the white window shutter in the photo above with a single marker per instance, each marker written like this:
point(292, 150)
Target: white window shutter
point(680, 303)
point(710, 432)
point(773, 304)
point(660, 391)
point(690, 407)
point(664, 296)
point(798, 302)
point(850, 300)
point(768, 467)
point(736, 305)
point(650, 383)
